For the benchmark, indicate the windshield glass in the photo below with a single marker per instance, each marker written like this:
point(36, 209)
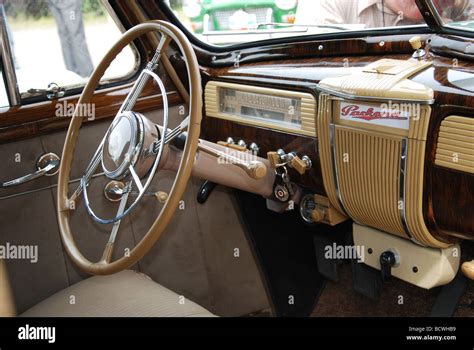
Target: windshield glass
point(223, 22)
point(456, 14)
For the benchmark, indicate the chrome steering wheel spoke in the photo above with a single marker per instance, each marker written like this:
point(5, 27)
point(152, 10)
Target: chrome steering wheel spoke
point(173, 133)
point(109, 248)
point(142, 80)
point(89, 172)
point(137, 181)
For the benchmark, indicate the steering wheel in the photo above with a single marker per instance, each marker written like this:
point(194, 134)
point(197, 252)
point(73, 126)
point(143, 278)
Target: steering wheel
point(131, 151)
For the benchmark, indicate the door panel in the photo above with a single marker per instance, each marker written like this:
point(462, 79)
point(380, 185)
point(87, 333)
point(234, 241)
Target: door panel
point(30, 220)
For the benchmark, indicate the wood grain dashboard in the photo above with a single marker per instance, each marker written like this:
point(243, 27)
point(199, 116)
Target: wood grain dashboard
point(448, 194)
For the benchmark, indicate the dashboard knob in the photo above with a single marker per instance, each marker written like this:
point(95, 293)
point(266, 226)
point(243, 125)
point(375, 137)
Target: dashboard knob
point(254, 148)
point(257, 170)
point(281, 153)
point(307, 161)
point(468, 269)
point(299, 165)
point(317, 215)
point(242, 143)
point(161, 197)
point(274, 159)
point(415, 42)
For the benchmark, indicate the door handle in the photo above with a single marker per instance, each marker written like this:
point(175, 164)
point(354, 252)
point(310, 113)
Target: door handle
point(47, 164)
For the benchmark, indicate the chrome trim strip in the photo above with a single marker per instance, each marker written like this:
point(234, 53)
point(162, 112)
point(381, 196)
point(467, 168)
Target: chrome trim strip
point(7, 61)
point(434, 13)
point(113, 15)
point(402, 182)
point(403, 185)
point(371, 98)
point(332, 137)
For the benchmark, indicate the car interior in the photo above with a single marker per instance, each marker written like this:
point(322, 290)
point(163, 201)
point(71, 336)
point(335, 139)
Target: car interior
point(237, 159)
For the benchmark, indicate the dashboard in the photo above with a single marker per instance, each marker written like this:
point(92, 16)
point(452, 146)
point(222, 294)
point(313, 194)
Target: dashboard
point(373, 137)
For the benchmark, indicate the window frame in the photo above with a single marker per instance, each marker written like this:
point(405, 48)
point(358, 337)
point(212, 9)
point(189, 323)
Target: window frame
point(349, 34)
point(8, 69)
point(432, 18)
point(17, 99)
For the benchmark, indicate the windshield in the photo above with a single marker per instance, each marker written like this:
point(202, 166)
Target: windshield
point(456, 14)
point(223, 22)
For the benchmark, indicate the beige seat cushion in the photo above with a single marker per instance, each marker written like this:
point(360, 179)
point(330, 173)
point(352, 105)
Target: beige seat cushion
point(127, 293)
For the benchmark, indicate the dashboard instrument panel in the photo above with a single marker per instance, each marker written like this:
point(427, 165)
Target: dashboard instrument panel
point(289, 111)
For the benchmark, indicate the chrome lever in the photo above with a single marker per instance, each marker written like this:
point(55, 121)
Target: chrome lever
point(48, 165)
point(52, 92)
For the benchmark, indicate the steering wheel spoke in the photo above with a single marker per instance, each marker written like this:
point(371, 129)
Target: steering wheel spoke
point(172, 133)
point(109, 248)
point(89, 172)
point(137, 181)
point(143, 78)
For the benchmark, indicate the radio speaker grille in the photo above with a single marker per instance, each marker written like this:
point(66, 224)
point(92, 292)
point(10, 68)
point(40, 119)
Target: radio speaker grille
point(455, 148)
point(369, 168)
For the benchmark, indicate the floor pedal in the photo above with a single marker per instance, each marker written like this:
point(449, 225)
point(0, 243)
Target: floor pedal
point(448, 298)
point(365, 280)
point(326, 267)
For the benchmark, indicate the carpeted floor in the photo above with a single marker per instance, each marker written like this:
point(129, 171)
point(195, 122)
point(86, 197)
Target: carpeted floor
point(340, 300)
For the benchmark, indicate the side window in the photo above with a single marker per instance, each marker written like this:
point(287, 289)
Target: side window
point(60, 42)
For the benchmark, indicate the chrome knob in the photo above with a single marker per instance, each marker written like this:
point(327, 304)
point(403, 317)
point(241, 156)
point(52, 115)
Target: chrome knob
point(242, 143)
point(307, 161)
point(254, 148)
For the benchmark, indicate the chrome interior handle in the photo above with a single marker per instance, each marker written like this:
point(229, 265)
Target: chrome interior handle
point(48, 165)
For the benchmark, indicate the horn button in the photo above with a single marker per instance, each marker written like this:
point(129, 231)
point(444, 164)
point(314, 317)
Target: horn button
point(129, 142)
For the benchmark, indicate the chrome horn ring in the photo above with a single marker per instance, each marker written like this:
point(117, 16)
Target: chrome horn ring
point(131, 148)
